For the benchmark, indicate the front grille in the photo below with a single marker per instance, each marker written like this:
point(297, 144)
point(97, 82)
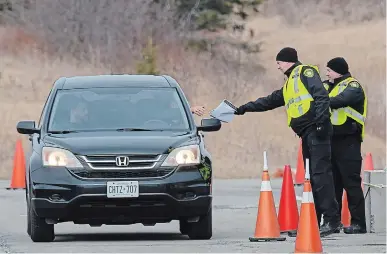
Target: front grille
point(108, 162)
point(105, 167)
point(121, 174)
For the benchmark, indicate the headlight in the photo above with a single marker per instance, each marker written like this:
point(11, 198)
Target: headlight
point(57, 157)
point(186, 155)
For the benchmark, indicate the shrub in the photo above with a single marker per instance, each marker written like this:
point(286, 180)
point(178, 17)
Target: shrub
point(148, 65)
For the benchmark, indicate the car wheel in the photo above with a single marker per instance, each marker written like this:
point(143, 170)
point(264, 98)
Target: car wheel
point(184, 227)
point(202, 230)
point(40, 230)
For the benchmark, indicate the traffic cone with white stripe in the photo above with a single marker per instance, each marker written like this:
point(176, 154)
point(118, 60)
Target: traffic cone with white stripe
point(308, 235)
point(267, 226)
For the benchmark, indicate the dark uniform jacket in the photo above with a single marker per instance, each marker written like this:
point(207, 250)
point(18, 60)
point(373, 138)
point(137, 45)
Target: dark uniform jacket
point(318, 114)
point(352, 96)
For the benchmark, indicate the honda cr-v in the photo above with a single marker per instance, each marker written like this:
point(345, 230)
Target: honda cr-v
point(114, 150)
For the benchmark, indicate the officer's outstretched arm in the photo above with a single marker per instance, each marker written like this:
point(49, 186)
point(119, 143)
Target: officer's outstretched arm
point(313, 83)
point(352, 95)
point(272, 101)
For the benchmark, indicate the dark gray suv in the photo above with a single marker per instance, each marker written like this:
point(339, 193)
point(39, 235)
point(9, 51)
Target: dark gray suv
point(118, 149)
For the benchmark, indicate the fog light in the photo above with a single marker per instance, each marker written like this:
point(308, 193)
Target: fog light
point(189, 195)
point(186, 195)
point(56, 197)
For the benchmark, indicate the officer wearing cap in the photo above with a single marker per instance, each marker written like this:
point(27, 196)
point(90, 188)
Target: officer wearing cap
point(307, 107)
point(348, 103)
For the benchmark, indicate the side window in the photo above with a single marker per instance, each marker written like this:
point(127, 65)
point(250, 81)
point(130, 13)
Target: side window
point(44, 110)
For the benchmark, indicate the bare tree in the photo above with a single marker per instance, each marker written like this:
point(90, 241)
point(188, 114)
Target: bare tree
point(113, 28)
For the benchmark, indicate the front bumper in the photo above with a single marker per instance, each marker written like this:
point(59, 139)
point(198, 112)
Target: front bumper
point(64, 197)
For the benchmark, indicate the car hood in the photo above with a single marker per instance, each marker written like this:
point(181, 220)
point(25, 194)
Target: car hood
point(118, 142)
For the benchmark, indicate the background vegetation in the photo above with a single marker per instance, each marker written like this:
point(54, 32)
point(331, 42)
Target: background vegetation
point(216, 49)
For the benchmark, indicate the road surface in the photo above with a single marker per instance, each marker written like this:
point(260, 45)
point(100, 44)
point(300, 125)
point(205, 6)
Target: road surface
point(234, 216)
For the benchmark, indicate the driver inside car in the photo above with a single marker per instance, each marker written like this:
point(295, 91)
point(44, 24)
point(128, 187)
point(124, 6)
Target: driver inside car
point(79, 114)
point(72, 114)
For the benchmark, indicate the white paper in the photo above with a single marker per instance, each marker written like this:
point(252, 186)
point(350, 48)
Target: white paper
point(224, 112)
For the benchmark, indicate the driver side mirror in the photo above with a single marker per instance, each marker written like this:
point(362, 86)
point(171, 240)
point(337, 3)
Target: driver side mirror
point(210, 124)
point(27, 127)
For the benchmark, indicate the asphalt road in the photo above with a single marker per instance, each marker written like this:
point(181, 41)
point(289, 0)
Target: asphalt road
point(234, 217)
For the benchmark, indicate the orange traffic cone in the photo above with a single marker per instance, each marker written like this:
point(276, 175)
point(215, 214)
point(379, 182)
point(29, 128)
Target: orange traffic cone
point(369, 164)
point(19, 168)
point(300, 173)
point(267, 227)
point(308, 235)
point(345, 214)
point(288, 210)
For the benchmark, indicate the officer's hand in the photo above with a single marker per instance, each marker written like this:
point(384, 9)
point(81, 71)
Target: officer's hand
point(240, 111)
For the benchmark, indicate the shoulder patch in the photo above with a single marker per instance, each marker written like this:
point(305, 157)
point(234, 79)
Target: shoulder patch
point(354, 84)
point(308, 73)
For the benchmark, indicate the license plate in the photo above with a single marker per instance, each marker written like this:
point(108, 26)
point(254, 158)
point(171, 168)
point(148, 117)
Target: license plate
point(122, 189)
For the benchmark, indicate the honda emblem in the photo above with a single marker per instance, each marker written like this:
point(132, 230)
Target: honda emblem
point(122, 161)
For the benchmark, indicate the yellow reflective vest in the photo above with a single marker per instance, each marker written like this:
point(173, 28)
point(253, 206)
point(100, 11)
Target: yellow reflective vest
point(296, 96)
point(339, 116)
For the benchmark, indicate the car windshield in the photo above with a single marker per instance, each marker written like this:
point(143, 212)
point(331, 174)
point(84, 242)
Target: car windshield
point(129, 108)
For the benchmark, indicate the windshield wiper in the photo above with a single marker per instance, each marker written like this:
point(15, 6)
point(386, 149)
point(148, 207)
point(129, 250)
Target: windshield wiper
point(61, 132)
point(137, 129)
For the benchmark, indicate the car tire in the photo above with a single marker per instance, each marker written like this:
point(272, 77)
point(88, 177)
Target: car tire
point(202, 230)
point(40, 230)
point(28, 214)
point(28, 222)
point(184, 227)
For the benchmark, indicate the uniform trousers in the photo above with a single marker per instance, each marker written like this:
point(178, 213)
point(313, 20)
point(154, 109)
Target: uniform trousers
point(318, 151)
point(346, 162)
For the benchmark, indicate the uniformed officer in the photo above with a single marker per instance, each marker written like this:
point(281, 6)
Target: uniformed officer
point(348, 103)
point(307, 107)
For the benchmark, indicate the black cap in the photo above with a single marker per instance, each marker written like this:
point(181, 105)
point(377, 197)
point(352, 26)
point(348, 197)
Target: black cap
point(287, 55)
point(339, 65)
